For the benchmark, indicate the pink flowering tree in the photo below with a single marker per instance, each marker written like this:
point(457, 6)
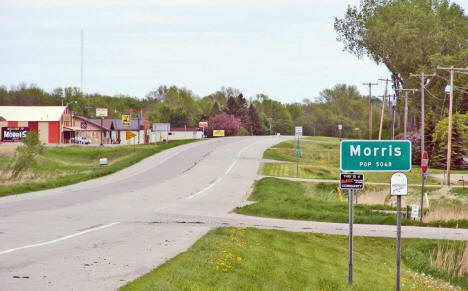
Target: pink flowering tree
point(228, 122)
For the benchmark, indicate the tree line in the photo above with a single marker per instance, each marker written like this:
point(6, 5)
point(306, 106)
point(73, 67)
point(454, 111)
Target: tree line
point(407, 36)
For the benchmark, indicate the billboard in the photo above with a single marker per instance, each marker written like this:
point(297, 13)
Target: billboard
point(14, 134)
point(101, 112)
point(218, 132)
point(161, 126)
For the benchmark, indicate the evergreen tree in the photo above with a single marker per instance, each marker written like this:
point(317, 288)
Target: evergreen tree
point(231, 107)
point(215, 110)
point(429, 126)
point(255, 122)
point(439, 158)
point(243, 110)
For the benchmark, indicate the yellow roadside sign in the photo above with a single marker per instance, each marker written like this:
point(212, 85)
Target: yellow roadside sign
point(125, 119)
point(129, 135)
point(218, 132)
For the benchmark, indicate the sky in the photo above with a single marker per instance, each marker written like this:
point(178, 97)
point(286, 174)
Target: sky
point(284, 49)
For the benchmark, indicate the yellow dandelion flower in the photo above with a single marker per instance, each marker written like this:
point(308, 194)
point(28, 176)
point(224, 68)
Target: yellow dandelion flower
point(239, 259)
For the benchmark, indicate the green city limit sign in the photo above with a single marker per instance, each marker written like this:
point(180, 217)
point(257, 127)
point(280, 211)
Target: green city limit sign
point(375, 156)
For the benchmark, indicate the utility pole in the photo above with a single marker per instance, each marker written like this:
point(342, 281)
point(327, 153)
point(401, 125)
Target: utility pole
point(383, 106)
point(370, 106)
point(406, 109)
point(422, 76)
point(449, 142)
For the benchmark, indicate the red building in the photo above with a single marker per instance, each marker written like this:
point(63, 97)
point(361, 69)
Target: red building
point(48, 121)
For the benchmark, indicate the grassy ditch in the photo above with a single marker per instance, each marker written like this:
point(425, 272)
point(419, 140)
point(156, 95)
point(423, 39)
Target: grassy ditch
point(255, 259)
point(61, 166)
point(320, 159)
point(306, 201)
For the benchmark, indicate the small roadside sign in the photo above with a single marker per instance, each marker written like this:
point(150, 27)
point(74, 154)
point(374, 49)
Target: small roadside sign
point(218, 132)
point(129, 135)
point(298, 153)
point(203, 124)
point(399, 184)
point(352, 181)
point(414, 211)
point(101, 112)
point(157, 127)
point(298, 131)
point(125, 119)
point(424, 162)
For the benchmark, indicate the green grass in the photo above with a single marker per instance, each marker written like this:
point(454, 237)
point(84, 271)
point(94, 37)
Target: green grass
point(61, 166)
point(290, 200)
point(254, 259)
point(462, 192)
point(321, 160)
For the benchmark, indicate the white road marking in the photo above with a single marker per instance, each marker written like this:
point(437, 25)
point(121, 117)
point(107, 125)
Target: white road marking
point(205, 189)
point(220, 178)
point(59, 239)
point(230, 168)
point(242, 150)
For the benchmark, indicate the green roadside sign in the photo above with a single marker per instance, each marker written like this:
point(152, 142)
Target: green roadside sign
point(298, 153)
point(375, 156)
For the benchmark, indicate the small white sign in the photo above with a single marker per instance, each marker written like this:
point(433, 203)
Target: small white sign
point(101, 112)
point(161, 126)
point(414, 211)
point(298, 130)
point(103, 161)
point(399, 184)
point(340, 127)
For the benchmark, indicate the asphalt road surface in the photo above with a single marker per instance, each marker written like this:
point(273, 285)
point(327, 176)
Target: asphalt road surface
point(100, 234)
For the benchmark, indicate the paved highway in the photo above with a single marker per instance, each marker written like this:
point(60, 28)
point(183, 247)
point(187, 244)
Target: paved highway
point(100, 234)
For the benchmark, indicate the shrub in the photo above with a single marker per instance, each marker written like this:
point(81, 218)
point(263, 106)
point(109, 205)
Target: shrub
point(25, 156)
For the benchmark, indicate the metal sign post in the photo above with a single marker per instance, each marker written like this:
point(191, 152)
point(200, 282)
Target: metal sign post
point(298, 154)
point(424, 165)
point(352, 182)
point(297, 135)
point(398, 187)
point(101, 112)
point(350, 238)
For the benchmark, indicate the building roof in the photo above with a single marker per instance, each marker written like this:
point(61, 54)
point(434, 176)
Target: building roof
point(32, 113)
point(106, 123)
point(92, 121)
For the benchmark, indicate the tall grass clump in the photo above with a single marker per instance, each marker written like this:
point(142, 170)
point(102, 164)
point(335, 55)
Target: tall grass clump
point(447, 260)
point(25, 156)
point(452, 258)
